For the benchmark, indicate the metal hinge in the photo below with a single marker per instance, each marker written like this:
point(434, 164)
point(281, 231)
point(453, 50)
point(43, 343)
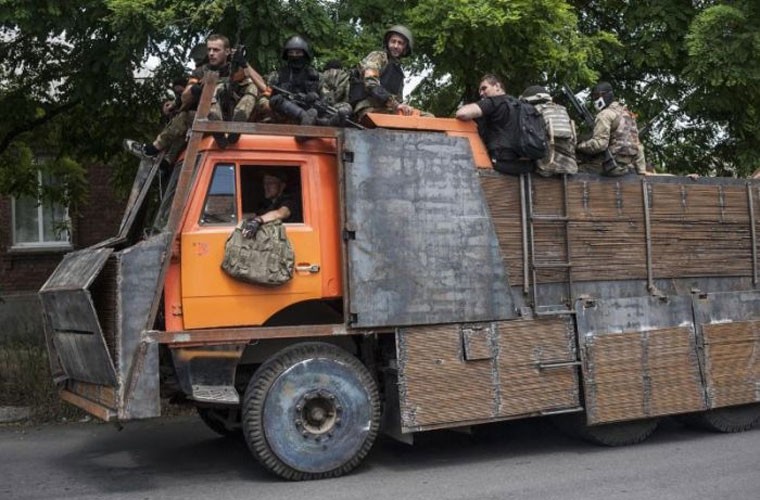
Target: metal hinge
point(347, 156)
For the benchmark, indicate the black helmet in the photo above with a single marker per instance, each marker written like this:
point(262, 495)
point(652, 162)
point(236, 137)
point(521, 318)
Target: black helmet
point(296, 42)
point(536, 94)
point(602, 95)
point(402, 30)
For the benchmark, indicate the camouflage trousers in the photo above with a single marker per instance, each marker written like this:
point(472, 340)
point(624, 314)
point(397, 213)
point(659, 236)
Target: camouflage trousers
point(172, 137)
point(243, 95)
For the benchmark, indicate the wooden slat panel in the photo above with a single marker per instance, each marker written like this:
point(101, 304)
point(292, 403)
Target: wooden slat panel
point(732, 362)
point(523, 386)
point(436, 384)
point(696, 229)
point(437, 387)
point(101, 394)
point(642, 374)
point(502, 193)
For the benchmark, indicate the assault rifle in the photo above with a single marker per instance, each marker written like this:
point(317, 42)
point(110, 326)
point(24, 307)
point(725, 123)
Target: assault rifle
point(322, 107)
point(608, 162)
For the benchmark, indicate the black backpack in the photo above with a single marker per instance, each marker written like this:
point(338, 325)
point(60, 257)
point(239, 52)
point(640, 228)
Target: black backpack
point(530, 133)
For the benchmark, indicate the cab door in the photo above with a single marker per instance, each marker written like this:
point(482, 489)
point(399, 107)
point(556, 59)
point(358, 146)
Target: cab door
point(229, 190)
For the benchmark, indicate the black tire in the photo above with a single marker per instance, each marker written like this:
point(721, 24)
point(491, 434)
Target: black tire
point(729, 419)
point(613, 434)
point(221, 421)
point(312, 411)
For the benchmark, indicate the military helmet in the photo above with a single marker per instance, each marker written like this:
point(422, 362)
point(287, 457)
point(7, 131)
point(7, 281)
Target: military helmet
point(296, 42)
point(536, 94)
point(199, 54)
point(402, 30)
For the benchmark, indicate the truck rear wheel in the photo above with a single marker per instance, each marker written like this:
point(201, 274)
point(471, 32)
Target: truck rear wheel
point(311, 411)
point(729, 419)
point(612, 434)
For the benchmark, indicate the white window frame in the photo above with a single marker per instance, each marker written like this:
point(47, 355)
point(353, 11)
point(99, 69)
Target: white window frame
point(41, 244)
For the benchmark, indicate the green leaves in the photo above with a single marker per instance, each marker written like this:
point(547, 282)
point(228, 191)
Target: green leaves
point(77, 77)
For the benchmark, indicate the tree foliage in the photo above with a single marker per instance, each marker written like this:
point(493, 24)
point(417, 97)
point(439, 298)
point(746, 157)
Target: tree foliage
point(77, 77)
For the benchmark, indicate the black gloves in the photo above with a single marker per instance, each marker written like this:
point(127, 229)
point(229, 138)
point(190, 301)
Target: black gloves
point(250, 227)
point(311, 98)
point(380, 94)
point(196, 89)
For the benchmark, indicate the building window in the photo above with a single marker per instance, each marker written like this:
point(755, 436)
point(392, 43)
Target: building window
point(39, 224)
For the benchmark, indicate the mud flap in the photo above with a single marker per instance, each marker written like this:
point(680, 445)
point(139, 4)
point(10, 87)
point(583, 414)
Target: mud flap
point(639, 358)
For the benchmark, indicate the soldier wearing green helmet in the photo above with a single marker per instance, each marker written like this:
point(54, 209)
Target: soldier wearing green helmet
point(378, 85)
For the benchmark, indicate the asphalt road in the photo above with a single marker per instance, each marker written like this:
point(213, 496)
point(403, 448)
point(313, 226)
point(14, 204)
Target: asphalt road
point(179, 458)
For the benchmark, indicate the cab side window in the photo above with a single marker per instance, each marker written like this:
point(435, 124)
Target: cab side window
point(256, 199)
point(220, 205)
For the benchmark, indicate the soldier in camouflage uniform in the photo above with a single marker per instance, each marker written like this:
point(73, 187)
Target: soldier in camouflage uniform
point(334, 86)
point(379, 85)
point(614, 128)
point(235, 93)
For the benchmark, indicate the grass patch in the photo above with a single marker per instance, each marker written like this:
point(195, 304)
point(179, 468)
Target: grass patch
point(25, 380)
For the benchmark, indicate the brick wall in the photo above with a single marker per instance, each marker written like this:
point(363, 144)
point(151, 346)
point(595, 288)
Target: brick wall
point(97, 219)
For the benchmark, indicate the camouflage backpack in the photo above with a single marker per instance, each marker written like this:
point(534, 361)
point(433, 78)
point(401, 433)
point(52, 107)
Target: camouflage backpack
point(624, 140)
point(561, 140)
point(267, 259)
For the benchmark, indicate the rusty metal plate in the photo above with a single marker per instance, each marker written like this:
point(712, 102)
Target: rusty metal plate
point(639, 358)
point(138, 288)
point(508, 373)
point(421, 246)
point(729, 327)
point(71, 321)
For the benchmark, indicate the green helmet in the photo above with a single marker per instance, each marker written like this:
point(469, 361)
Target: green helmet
point(402, 30)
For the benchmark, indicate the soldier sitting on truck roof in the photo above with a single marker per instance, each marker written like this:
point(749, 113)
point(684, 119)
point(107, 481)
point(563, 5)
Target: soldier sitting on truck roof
point(333, 87)
point(298, 81)
point(377, 85)
point(237, 87)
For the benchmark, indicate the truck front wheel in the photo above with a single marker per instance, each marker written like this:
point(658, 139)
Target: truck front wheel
point(311, 411)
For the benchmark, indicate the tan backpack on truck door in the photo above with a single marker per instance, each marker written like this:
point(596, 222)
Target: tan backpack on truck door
point(266, 259)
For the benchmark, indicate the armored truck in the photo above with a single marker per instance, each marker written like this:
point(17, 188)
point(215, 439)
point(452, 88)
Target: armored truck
point(428, 292)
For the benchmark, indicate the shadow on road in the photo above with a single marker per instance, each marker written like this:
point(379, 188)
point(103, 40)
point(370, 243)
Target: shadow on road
point(165, 453)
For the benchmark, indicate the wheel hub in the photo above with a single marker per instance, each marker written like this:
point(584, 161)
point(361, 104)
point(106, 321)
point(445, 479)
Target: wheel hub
point(317, 414)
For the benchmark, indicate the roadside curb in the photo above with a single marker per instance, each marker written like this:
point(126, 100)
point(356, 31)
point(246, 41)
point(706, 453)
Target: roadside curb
point(10, 414)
